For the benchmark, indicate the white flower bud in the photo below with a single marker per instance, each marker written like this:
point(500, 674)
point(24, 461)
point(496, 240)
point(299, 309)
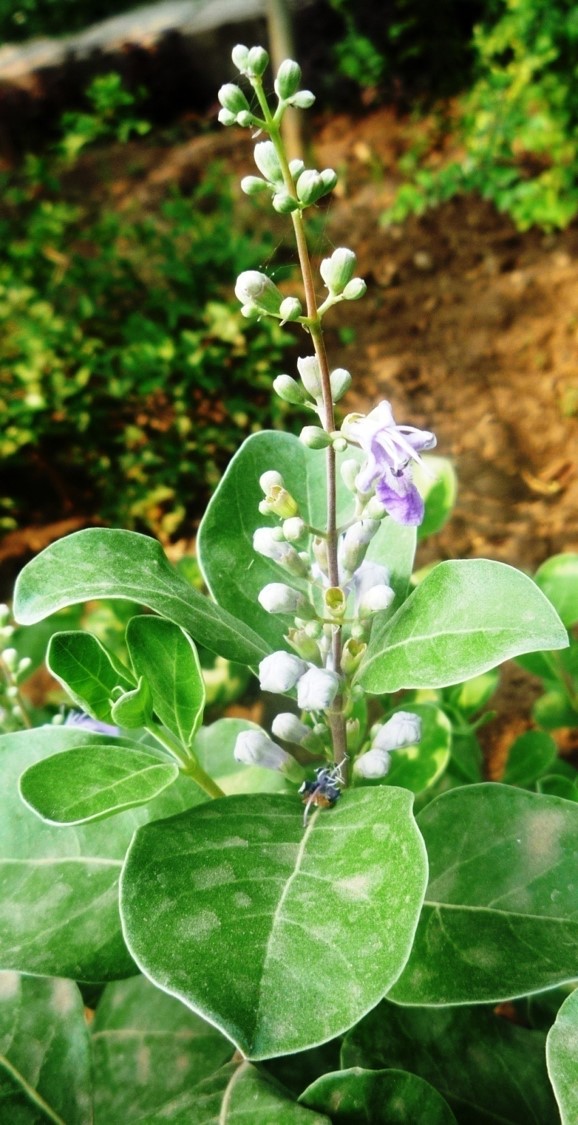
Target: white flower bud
point(232, 98)
point(294, 528)
point(374, 509)
point(252, 185)
point(310, 186)
point(284, 203)
point(258, 61)
point(240, 57)
point(340, 381)
point(353, 546)
point(289, 728)
point(338, 270)
point(280, 672)
point(317, 689)
point(328, 179)
point(246, 119)
point(256, 289)
point(403, 729)
point(276, 597)
point(375, 600)
point(339, 444)
point(303, 99)
point(314, 437)
point(355, 289)
point(296, 167)
point(255, 748)
point(349, 470)
point(10, 658)
point(225, 117)
point(288, 78)
point(269, 480)
point(266, 542)
point(289, 390)
point(308, 368)
point(267, 162)
point(374, 764)
point(290, 308)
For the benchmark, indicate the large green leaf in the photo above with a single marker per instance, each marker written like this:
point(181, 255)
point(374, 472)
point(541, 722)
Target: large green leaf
point(464, 618)
point(562, 1059)
point(558, 580)
point(149, 1049)
point(167, 658)
point(95, 780)
point(488, 1069)
point(106, 563)
point(84, 667)
point(241, 912)
point(234, 572)
point(44, 1053)
point(59, 904)
point(530, 755)
point(239, 1094)
point(500, 917)
point(382, 1097)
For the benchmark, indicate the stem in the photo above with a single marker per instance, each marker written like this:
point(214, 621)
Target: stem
point(335, 717)
point(187, 761)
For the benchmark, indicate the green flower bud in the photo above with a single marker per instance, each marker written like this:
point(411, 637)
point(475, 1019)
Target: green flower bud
point(339, 444)
point(251, 312)
point(309, 186)
point(240, 57)
point(340, 381)
point(335, 601)
point(338, 270)
point(232, 98)
point(296, 167)
point(355, 289)
point(314, 437)
point(258, 61)
point(284, 203)
point(247, 119)
point(308, 368)
point(303, 99)
point(256, 289)
point(329, 179)
point(267, 162)
point(352, 655)
point(252, 185)
point(352, 734)
point(290, 309)
point(225, 117)
point(289, 390)
point(282, 503)
point(306, 647)
point(288, 79)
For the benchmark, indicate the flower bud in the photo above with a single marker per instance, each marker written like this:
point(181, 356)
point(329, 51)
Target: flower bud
point(353, 546)
point(280, 671)
point(314, 437)
point(308, 368)
point(289, 728)
point(335, 601)
point(232, 98)
point(267, 162)
point(310, 186)
point(266, 543)
point(251, 312)
point(284, 203)
point(240, 57)
point(352, 734)
point(352, 655)
point(375, 600)
point(255, 748)
point(290, 309)
point(374, 509)
point(355, 289)
point(340, 381)
point(349, 471)
point(225, 117)
point(296, 167)
point(320, 552)
point(304, 645)
point(328, 179)
point(281, 502)
point(246, 119)
point(252, 185)
point(288, 78)
point(294, 528)
point(269, 480)
point(276, 597)
point(258, 61)
point(10, 658)
point(303, 99)
point(289, 390)
point(317, 689)
point(372, 765)
point(338, 270)
point(403, 729)
point(256, 289)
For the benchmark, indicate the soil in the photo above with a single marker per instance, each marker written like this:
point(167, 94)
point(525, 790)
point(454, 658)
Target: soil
point(469, 327)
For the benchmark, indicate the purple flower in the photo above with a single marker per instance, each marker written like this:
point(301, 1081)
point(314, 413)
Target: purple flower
point(80, 719)
point(390, 449)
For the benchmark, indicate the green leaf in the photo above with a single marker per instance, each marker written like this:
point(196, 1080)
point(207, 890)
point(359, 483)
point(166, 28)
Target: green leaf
point(213, 747)
point(553, 710)
point(558, 786)
point(486, 1067)
point(562, 1059)
point(529, 756)
point(95, 780)
point(417, 767)
point(467, 756)
point(473, 694)
point(382, 1097)
point(239, 911)
point(239, 1094)
point(84, 667)
point(438, 485)
point(234, 572)
point(167, 658)
point(558, 580)
point(44, 1052)
point(59, 904)
point(464, 618)
point(148, 1050)
point(499, 918)
point(133, 709)
point(106, 563)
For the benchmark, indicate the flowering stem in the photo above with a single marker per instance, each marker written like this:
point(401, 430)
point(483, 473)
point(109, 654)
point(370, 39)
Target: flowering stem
point(335, 715)
point(187, 761)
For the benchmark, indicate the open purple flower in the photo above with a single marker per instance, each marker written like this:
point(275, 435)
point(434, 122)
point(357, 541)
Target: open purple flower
point(390, 450)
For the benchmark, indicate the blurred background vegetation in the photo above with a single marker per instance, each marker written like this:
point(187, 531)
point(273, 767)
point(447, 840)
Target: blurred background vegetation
point(126, 378)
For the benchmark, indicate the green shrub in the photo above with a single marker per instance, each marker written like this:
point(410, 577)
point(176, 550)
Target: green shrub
point(125, 377)
point(518, 123)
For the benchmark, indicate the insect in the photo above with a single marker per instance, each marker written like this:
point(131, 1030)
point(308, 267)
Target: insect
point(323, 792)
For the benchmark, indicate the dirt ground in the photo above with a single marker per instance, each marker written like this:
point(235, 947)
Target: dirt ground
point(469, 327)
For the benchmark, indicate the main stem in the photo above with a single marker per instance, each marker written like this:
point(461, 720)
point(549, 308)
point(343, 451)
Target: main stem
point(335, 716)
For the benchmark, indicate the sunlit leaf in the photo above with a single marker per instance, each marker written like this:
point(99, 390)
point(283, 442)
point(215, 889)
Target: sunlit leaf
point(237, 1094)
point(167, 658)
point(214, 746)
point(562, 1059)
point(382, 1097)
point(84, 667)
point(558, 580)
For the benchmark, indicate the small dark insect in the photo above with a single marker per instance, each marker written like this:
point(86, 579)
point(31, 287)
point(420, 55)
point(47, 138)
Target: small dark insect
point(323, 792)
